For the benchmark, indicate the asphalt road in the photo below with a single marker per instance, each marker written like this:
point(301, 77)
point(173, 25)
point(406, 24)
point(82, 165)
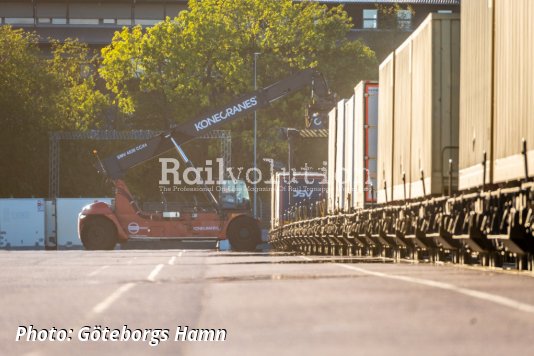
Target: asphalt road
point(268, 304)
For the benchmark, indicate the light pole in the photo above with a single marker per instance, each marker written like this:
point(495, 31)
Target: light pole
point(254, 209)
point(289, 133)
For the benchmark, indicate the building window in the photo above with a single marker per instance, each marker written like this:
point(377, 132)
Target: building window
point(444, 11)
point(109, 21)
point(19, 20)
point(404, 20)
point(59, 21)
point(44, 20)
point(124, 22)
point(83, 21)
point(146, 22)
point(370, 18)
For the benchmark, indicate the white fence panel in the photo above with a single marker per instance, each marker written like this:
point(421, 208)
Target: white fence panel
point(22, 223)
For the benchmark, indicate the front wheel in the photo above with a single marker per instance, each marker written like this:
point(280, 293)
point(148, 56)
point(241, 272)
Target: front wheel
point(99, 233)
point(244, 234)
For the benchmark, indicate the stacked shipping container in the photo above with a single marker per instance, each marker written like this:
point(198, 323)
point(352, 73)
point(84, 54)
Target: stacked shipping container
point(365, 144)
point(513, 88)
point(475, 90)
point(331, 173)
point(496, 108)
point(435, 87)
point(402, 121)
point(339, 194)
point(352, 149)
point(349, 164)
point(419, 117)
point(386, 102)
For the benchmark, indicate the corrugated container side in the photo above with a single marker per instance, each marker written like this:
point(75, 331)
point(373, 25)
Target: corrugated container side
point(340, 157)
point(513, 88)
point(331, 173)
point(402, 126)
point(371, 142)
point(365, 143)
point(422, 100)
point(349, 154)
point(359, 145)
point(435, 86)
point(385, 128)
point(475, 92)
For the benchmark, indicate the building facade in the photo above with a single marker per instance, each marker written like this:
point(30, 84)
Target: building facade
point(95, 21)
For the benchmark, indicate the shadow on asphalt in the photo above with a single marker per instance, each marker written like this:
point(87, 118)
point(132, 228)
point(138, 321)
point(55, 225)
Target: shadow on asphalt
point(314, 261)
point(281, 277)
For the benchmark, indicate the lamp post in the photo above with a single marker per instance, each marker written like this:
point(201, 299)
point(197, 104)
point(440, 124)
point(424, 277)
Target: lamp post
point(254, 210)
point(289, 133)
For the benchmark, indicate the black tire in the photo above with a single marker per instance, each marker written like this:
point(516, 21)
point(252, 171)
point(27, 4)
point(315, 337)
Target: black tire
point(99, 233)
point(244, 234)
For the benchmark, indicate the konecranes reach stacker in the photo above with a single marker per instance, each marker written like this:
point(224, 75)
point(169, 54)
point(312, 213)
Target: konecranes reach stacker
point(101, 226)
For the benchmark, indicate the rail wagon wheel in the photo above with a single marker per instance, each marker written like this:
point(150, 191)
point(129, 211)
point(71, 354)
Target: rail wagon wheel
point(244, 234)
point(99, 233)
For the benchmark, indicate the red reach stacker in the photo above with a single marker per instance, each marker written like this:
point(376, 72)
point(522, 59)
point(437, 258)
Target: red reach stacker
point(102, 226)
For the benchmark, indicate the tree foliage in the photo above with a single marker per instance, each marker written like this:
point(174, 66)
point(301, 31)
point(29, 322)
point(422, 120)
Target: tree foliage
point(204, 57)
point(77, 104)
point(40, 95)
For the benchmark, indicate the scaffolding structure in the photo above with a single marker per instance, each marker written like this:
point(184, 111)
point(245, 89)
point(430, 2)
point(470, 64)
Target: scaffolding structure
point(55, 139)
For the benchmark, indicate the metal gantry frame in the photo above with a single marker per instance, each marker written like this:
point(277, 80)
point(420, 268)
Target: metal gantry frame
point(56, 137)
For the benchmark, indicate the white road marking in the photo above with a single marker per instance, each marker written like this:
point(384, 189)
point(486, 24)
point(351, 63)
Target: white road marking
point(97, 271)
point(106, 303)
point(497, 299)
point(180, 253)
point(306, 258)
point(171, 261)
point(152, 276)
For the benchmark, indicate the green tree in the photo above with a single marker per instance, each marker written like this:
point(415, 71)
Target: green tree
point(77, 104)
point(22, 79)
point(40, 95)
point(24, 102)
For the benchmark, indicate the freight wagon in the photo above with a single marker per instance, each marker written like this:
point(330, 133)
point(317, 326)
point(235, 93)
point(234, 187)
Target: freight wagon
point(352, 149)
point(455, 148)
point(365, 145)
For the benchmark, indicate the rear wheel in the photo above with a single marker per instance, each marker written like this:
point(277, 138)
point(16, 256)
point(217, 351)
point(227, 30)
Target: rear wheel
point(99, 233)
point(244, 234)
